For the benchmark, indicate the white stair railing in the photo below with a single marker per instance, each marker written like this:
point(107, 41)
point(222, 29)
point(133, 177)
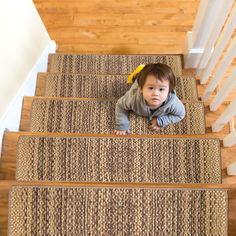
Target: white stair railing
point(220, 19)
point(223, 40)
point(203, 52)
point(219, 74)
point(205, 32)
point(224, 91)
point(225, 117)
point(229, 139)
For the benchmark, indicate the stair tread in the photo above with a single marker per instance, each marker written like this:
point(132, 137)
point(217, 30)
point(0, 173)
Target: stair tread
point(71, 115)
point(101, 86)
point(10, 142)
point(118, 159)
point(66, 205)
point(108, 64)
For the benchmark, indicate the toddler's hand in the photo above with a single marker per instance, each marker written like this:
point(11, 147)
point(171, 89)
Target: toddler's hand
point(121, 132)
point(153, 126)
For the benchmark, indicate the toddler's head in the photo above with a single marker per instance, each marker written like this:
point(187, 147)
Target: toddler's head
point(156, 81)
point(160, 71)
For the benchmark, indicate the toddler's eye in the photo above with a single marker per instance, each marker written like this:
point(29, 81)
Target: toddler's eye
point(151, 88)
point(162, 89)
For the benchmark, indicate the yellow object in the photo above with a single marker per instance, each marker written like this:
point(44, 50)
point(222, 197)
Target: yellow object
point(136, 71)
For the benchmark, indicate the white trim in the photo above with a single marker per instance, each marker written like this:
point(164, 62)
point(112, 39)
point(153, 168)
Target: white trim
point(231, 169)
point(225, 117)
point(207, 14)
point(220, 19)
point(11, 118)
point(196, 50)
point(199, 18)
point(211, 11)
point(223, 40)
point(231, 125)
point(224, 91)
point(230, 139)
point(228, 58)
point(192, 55)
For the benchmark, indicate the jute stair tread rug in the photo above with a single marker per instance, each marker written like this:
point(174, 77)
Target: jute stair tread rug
point(105, 86)
point(115, 159)
point(108, 64)
point(116, 211)
point(98, 116)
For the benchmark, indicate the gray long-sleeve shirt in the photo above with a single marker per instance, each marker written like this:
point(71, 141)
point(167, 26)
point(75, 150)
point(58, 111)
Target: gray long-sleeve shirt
point(171, 111)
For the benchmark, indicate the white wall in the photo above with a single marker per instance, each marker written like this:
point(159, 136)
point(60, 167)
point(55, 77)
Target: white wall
point(24, 47)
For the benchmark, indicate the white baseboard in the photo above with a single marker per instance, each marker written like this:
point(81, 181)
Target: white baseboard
point(192, 55)
point(11, 118)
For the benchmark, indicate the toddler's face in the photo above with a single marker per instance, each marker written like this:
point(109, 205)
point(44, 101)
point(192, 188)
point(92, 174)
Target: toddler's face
point(155, 91)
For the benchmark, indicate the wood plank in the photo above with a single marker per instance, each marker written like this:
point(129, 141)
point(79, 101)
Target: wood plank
point(125, 48)
point(231, 212)
point(40, 84)
point(118, 26)
point(113, 19)
point(130, 7)
point(25, 114)
point(4, 193)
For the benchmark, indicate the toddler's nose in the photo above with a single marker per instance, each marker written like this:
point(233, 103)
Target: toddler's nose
point(156, 92)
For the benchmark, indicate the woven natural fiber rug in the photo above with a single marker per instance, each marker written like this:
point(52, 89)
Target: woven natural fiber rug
point(107, 159)
point(116, 211)
point(108, 64)
point(93, 116)
point(105, 86)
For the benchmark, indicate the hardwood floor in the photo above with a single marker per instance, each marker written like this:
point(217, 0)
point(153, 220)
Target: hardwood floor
point(118, 27)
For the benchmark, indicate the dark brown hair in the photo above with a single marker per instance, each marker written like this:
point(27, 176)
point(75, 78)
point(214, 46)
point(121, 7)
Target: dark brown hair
point(160, 71)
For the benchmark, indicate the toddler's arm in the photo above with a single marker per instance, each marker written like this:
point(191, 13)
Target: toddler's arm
point(123, 107)
point(122, 119)
point(175, 114)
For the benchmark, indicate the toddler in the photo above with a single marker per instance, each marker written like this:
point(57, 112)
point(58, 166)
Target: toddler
point(152, 95)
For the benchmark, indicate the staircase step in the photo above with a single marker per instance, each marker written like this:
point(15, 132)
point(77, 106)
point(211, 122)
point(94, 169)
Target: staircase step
point(97, 116)
point(52, 210)
point(102, 86)
point(118, 159)
point(10, 146)
point(108, 64)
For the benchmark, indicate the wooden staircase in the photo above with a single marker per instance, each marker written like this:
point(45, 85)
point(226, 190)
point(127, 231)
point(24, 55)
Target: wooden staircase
point(9, 163)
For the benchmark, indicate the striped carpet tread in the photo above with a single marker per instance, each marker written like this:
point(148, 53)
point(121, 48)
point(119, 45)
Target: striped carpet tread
point(116, 211)
point(115, 159)
point(108, 64)
point(98, 116)
point(105, 86)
